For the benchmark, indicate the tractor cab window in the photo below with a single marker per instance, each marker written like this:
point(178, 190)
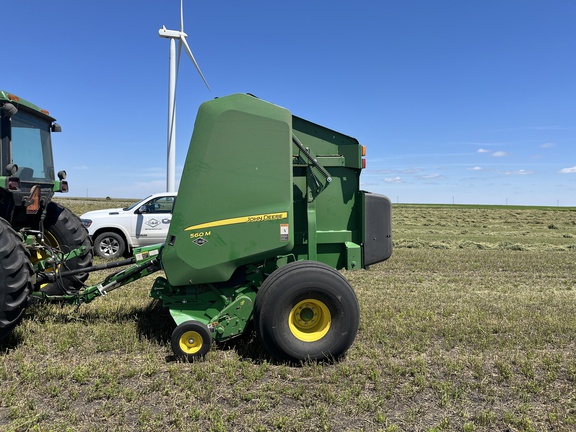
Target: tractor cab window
point(32, 148)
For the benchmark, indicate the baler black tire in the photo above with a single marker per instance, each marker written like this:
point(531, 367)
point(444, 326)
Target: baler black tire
point(306, 311)
point(15, 278)
point(69, 233)
point(113, 242)
point(191, 340)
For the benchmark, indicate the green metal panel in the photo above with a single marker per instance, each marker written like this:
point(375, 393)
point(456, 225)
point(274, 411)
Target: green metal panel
point(19, 103)
point(226, 311)
point(234, 204)
point(325, 222)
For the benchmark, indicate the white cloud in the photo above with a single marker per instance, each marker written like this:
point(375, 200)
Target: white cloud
point(476, 168)
point(495, 154)
point(499, 154)
point(432, 176)
point(393, 180)
point(570, 170)
point(520, 172)
point(393, 171)
point(548, 145)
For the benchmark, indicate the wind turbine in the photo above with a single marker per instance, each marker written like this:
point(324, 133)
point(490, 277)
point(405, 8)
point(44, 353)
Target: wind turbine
point(173, 76)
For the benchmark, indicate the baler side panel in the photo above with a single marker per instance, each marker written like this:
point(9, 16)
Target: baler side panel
point(234, 204)
point(338, 207)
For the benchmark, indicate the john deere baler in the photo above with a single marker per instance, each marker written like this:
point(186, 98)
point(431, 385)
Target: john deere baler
point(268, 209)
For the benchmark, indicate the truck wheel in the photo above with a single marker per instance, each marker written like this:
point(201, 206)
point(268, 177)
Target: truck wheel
point(109, 245)
point(191, 340)
point(15, 278)
point(306, 310)
point(65, 232)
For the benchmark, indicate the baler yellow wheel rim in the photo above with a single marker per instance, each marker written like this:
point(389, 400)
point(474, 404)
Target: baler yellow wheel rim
point(309, 320)
point(191, 342)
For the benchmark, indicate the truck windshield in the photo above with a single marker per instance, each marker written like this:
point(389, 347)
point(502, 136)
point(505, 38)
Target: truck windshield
point(31, 148)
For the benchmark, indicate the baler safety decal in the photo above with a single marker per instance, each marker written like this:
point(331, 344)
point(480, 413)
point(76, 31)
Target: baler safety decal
point(239, 220)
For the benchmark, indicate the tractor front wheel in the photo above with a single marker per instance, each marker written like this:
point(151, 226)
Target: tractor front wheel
point(191, 340)
point(306, 310)
point(15, 278)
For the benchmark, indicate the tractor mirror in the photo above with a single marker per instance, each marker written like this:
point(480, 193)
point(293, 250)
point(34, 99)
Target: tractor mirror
point(11, 169)
point(56, 128)
point(9, 109)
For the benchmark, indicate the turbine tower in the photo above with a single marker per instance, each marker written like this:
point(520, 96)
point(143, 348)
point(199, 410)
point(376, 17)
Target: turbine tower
point(174, 64)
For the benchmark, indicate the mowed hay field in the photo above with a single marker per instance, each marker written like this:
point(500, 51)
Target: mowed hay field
point(470, 326)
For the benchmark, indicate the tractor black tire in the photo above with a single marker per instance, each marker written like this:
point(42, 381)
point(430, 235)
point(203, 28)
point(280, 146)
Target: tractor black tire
point(191, 340)
point(306, 311)
point(15, 278)
point(65, 232)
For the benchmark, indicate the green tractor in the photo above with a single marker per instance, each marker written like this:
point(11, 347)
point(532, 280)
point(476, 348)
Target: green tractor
point(36, 234)
point(269, 208)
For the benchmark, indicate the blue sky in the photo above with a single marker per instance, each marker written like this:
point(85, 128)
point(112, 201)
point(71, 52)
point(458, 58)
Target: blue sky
point(456, 101)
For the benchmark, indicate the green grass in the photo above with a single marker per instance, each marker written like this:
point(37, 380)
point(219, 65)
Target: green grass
point(470, 326)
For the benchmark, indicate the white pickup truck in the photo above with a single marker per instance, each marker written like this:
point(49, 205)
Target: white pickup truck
point(115, 232)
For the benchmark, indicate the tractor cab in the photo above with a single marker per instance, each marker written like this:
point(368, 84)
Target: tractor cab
point(27, 180)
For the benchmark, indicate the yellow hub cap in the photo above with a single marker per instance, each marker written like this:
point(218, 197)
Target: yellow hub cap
point(191, 342)
point(309, 320)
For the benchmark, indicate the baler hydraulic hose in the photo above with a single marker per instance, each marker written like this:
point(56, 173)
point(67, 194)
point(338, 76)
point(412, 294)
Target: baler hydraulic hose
point(110, 283)
point(43, 278)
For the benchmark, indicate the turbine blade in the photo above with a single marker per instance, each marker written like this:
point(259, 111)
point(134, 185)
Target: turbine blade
point(178, 62)
point(183, 39)
point(179, 54)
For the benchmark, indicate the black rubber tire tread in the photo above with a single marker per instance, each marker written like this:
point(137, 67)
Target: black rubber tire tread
point(117, 237)
point(297, 281)
point(187, 326)
point(70, 233)
point(15, 278)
